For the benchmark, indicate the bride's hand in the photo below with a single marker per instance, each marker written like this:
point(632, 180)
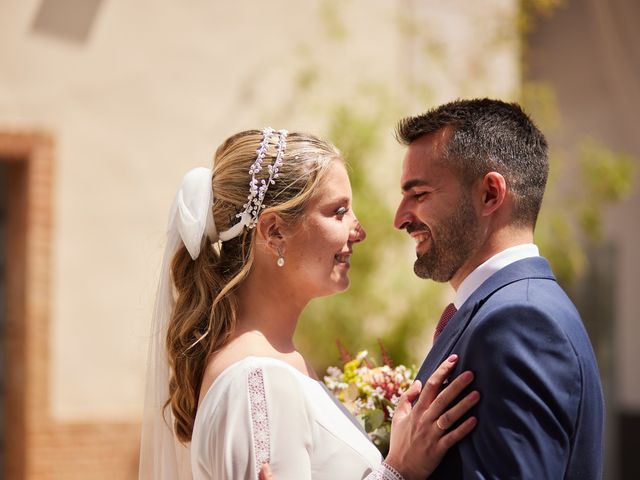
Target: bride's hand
point(422, 434)
point(265, 473)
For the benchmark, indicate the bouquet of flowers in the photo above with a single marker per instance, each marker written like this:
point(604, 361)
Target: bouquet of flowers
point(371, 393)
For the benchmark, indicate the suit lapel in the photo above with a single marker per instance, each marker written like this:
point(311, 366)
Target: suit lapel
point(535, 267)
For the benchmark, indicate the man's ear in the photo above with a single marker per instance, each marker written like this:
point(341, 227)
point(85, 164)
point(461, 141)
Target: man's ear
point(493, 193)
point(270, 231)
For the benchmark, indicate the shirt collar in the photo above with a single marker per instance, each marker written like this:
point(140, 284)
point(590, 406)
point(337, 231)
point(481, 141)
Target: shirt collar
point(491, 266)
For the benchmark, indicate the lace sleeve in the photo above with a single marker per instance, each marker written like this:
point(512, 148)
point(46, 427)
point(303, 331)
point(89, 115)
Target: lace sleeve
point(259, 416)
point(280, 430)
point(384, 472)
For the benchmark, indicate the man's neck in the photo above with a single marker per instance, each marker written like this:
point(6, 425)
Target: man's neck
point(495, 244)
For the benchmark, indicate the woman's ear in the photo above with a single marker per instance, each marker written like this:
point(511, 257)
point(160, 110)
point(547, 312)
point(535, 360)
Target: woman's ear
point(270, 231)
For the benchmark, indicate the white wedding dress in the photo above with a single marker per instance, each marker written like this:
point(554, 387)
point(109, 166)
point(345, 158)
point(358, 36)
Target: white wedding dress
point(264, 410)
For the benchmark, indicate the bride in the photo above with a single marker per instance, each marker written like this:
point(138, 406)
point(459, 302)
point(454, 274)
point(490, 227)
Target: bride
point(249, 245)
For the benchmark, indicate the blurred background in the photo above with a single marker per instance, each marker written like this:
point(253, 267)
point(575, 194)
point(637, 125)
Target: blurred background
point(104, 104)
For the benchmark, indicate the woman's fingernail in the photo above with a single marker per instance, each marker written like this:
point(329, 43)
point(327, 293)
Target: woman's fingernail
point(452, 358)
point(467, 376)
point(475, 395)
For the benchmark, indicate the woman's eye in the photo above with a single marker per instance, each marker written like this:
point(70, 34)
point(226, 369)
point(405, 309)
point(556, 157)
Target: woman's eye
point(342, 211)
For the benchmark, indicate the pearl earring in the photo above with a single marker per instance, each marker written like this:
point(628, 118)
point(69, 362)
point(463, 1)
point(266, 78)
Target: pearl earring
point(280, 261)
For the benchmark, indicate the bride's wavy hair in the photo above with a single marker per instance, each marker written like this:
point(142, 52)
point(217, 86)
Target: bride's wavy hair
point(205, 310)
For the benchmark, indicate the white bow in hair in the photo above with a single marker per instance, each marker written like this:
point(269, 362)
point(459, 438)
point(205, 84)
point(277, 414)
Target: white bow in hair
point(191, 213)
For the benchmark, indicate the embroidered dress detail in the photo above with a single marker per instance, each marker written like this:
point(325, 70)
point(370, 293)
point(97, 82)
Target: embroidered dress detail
point(384, 472)
point(259, 417)
point(389, 473)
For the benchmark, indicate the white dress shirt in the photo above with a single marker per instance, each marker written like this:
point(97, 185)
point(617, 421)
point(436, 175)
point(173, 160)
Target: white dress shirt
point(491, 266)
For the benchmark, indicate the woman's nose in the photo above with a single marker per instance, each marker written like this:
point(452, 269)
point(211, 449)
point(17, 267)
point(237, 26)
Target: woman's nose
point(357, 233)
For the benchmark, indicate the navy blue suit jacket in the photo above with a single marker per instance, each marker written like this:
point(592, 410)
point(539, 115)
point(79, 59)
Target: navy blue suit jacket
point(541, 410)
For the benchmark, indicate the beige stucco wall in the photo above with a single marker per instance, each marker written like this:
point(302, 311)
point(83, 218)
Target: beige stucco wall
point(586, 53)
point(151, 93)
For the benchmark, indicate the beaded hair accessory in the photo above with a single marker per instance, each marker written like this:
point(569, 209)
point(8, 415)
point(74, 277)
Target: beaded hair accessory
point(258, 188)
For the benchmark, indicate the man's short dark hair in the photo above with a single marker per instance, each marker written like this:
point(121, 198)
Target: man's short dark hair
point(489, 135)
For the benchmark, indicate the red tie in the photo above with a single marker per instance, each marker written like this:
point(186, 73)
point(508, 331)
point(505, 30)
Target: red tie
point(449, 312)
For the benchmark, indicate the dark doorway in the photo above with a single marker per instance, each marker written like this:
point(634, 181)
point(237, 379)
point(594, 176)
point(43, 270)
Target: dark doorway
point(3, 304)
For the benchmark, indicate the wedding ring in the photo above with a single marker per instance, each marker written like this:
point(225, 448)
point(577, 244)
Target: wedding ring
point(440, 426)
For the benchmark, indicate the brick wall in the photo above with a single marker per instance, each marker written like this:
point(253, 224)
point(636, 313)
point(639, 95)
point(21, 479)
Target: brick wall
point(37, 447)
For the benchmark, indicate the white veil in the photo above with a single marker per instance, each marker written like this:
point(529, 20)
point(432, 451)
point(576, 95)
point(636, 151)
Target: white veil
point(162, 456)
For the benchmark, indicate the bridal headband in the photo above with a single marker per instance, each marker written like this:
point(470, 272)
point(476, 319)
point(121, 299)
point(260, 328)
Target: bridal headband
point(191, 213)
point(257, 190)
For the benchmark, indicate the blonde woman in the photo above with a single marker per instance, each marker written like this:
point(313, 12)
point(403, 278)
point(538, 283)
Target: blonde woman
point(250, 243)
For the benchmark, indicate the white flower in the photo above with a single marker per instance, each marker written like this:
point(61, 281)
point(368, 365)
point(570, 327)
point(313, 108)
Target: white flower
point(362, 355)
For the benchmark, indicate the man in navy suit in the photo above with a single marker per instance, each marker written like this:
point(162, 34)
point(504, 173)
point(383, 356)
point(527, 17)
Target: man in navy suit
point(472, 180)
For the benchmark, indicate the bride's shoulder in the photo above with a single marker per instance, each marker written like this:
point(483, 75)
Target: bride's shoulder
point(256, 382)
point(235, 362)
point(253, 378)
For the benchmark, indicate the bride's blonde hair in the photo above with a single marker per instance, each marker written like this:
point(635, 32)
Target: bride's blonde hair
point(205, 310)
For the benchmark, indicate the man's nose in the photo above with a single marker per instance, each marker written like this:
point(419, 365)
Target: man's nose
point(403, 217)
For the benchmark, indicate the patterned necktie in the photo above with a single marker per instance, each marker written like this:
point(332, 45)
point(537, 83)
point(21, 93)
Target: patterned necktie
point(449, 312)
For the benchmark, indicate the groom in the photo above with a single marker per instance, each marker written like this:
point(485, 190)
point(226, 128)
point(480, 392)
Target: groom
point(472, 180)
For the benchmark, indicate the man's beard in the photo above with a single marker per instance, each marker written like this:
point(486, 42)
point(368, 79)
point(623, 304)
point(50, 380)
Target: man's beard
point(453, 240)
